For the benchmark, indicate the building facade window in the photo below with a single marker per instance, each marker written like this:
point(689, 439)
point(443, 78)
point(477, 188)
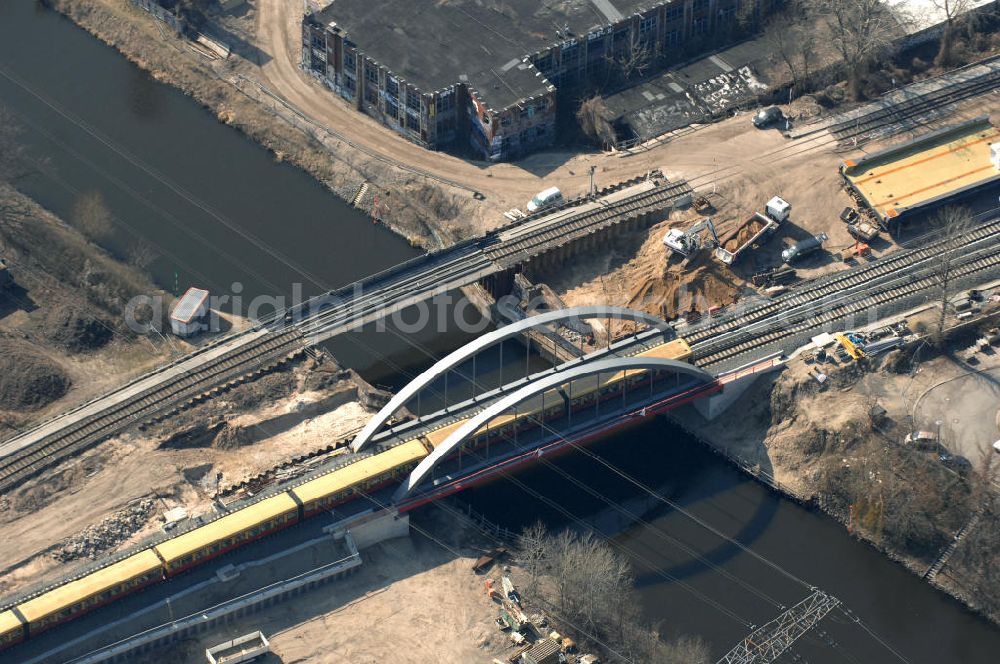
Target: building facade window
point(675, 12)
point(446, 101)
point(647, 25)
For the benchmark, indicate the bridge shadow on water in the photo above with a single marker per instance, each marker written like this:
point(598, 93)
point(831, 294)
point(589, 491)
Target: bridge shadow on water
point(650, 468)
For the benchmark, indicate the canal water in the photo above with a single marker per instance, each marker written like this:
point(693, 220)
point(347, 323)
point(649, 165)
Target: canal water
point(219, 209)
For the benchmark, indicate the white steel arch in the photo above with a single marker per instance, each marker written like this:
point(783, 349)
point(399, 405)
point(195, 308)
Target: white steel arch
point(473, 424)
point(452, 360)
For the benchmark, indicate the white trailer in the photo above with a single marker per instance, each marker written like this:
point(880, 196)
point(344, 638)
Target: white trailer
point(241, 649)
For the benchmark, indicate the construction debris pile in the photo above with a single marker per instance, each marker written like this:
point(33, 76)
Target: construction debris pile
point(535, 640)
point(107, 534)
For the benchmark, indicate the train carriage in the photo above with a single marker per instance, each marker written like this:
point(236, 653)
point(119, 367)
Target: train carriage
point(326, 491)
point(227, 532)
point(86, 593)
point(11, 629)
point(675, 349)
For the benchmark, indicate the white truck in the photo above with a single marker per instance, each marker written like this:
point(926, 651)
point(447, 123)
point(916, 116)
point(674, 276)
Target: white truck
point(754, 231)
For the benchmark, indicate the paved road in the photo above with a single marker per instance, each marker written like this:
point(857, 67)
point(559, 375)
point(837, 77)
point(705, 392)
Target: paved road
point(968, 408)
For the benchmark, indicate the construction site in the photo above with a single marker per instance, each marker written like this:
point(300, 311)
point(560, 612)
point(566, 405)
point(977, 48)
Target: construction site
point(807, 244)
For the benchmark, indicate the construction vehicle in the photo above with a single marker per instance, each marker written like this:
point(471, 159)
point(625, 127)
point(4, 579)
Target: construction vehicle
point(750, 234)
point(702, 205)
point(778, 209)
point(855, 250)
point(754, 231)
point(688, 243)
point(804, 248)
point(512, 616)
point(863, 230)
point(852, 344)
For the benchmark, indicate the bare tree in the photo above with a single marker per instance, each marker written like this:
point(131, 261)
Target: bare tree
point(580, 579)
point(792, 44)
point(953, 223)
point(795, 36)
point(634, 60)
point(956, 13)
point(12, 153)
point(142, 254)
point(92, 217)
point(595, 120)
point(532, 553)
point(861, 31)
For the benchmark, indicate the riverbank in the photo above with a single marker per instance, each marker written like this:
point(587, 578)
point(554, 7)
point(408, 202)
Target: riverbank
point(838, 445)
point(63, 331)
point(405, 199)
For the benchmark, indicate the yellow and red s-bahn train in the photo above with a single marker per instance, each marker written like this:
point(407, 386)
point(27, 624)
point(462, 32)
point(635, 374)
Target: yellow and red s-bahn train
point(173, 556)
point(177, 554)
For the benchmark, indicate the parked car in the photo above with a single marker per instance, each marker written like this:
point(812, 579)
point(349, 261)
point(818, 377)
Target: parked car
point(549, 197)
point(956, 462)
point(767, 116)
point(804, 248)
point(922, 440)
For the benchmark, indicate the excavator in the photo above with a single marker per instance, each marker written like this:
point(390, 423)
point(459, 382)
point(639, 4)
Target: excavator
point(689, 243)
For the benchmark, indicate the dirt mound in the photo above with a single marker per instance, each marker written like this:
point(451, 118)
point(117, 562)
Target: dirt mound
point(202, 434)
point(673, 291)
point(231, 436)
point(649, 279)
point(107, 534)
point(76, 330)
point(742, 235)
point(28, 379)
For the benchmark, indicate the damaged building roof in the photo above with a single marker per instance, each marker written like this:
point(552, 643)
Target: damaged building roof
point(433, 44)
point(693, 93)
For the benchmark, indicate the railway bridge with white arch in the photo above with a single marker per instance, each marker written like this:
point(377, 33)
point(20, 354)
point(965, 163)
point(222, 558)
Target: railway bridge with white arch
point(644, 374)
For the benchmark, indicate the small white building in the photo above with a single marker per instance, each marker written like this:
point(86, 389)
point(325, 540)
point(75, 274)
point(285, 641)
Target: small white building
point(186, 317)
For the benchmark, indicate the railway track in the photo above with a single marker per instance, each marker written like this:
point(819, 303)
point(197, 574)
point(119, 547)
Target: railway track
point(907, 113)
point(519, 245)
point(147, 404)
point(843, 283)
point(882, 122)
point(814, 315)
point(165, 389)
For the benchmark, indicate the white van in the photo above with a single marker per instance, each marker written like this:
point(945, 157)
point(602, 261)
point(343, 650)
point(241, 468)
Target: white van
point(551, 196)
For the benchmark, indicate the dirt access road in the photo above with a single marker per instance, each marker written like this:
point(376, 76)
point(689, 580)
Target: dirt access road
point(505, 185)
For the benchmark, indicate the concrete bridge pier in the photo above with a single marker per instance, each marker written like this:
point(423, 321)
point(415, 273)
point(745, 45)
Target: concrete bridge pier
point(711, 407)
